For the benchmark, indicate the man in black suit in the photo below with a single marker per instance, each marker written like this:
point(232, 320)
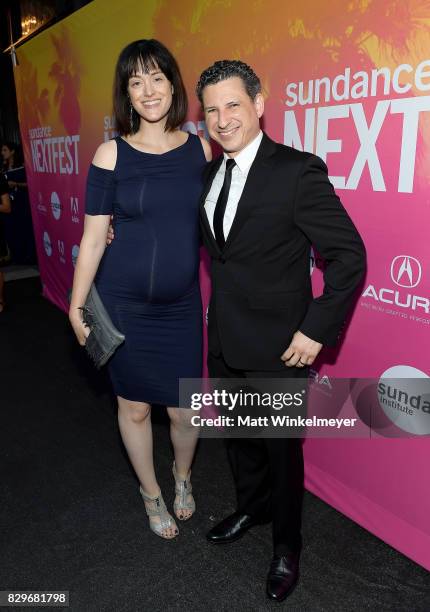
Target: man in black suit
point(263, 206)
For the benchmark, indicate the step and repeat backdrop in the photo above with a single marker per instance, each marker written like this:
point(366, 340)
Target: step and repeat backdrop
point(347, 81)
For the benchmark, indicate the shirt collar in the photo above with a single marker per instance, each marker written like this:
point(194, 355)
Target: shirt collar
point(245, 158)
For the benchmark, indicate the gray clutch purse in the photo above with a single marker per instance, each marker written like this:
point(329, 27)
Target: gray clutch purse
point(104, 338)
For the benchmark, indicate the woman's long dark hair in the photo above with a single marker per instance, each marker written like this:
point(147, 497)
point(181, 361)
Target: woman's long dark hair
point(146, 55)
point(18, 159)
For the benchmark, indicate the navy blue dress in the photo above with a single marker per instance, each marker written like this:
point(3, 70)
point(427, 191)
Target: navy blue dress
point(148, 278)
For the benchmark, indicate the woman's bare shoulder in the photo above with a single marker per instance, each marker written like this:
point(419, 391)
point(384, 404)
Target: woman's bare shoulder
point(105, 156)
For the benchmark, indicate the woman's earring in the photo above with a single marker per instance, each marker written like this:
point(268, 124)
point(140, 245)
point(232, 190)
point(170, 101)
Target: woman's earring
point(131, 118)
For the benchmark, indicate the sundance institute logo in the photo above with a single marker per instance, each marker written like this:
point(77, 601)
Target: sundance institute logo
point(55, 205)
point(404, 396)
point(75, 253)
point(47, 244)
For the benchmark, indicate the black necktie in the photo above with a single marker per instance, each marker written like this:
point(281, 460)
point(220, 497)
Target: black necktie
point(222, 203)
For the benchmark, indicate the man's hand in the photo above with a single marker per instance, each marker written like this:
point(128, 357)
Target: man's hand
point(110, 233)
point(301, 352)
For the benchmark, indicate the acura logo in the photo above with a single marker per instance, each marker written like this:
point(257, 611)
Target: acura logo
point(406, 271)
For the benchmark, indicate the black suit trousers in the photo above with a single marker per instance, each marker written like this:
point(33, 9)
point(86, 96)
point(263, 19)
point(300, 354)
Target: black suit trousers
point(268, 472)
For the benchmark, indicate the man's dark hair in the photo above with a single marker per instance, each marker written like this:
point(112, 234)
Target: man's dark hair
point(146, 55)
point(225, 69)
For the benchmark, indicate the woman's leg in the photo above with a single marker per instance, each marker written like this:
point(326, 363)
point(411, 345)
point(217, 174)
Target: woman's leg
point(184, 438)
point(134, 419)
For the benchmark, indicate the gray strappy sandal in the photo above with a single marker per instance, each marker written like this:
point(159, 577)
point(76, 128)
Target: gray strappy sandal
point(183, 489)
point(155, 506)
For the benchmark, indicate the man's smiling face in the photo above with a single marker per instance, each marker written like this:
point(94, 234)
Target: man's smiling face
point(232, 118)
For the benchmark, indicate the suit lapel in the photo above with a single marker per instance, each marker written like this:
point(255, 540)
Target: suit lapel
point(257, 179)
point(211, 172)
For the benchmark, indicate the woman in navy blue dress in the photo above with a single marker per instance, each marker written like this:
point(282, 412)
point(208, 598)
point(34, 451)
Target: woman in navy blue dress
point(150, 179)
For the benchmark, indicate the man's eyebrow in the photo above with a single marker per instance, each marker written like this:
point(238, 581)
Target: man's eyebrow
point(226, 104)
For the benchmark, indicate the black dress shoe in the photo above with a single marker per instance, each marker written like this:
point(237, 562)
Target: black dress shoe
point(283, 576)
point(232, 528)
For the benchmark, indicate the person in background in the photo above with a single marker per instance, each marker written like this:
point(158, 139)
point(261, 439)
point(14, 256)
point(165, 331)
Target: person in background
point(19, 231)
point(11, 156)
point(4, 208)
point(150, 177)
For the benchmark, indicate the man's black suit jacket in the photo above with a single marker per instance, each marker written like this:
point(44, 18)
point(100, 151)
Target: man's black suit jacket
point(261, 285)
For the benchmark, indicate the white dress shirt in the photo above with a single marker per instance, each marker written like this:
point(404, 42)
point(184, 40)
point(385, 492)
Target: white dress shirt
point(239, 175)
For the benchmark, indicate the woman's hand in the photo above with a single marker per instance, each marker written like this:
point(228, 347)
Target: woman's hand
point(82, 332)
point(12, 184)
point(110, 233)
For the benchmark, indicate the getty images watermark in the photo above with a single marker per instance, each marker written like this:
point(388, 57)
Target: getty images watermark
point(315, 407)
point(229, 401)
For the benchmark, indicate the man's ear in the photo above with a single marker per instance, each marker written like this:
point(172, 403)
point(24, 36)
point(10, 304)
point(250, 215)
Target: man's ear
point(259, 104)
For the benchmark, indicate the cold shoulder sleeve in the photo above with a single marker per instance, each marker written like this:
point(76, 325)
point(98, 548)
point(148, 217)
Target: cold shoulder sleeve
point(100, 191)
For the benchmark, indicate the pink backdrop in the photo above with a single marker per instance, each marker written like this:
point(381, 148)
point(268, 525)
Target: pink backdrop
point(367, 116)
